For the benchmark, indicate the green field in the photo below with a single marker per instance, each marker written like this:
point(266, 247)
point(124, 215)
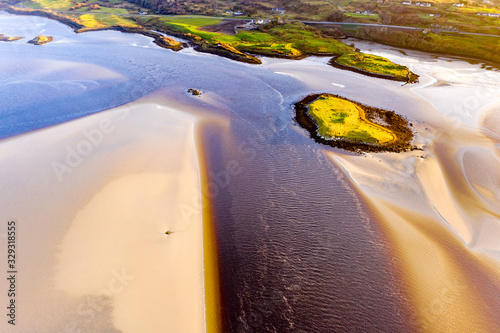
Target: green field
point(49, 4)
point(194, 21)
point(96, 21)
point(339, 118)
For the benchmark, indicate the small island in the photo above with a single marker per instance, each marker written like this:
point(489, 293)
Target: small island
point(40, 40)
point(374, 66)
point(4, 38)
point(338, 122)
point(194, 92)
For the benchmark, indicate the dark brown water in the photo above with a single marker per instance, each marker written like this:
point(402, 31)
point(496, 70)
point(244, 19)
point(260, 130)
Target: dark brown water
point(298, 253)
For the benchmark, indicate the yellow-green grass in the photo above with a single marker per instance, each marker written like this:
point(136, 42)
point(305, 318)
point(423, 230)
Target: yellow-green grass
point(97, 21)
point(342, 119)
point(121, 11)
point(50, 4)
point(360, 15)
point(373, 64)
point(192, 20)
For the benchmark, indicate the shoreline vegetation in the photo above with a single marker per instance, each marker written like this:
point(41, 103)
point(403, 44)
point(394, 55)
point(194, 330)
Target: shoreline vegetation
point(293, 40)
point(338, 122)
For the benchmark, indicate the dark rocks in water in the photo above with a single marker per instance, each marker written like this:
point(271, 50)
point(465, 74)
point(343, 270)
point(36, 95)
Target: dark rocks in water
point(4, 38)
point(195, 92)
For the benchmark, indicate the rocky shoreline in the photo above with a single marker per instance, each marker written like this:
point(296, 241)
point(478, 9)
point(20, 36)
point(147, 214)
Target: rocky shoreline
point(396, 123)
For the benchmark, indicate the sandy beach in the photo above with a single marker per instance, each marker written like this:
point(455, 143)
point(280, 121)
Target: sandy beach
point(92, 199)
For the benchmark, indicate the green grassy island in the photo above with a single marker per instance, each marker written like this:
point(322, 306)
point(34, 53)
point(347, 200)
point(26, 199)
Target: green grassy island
point(374, 66)
point(339, 122)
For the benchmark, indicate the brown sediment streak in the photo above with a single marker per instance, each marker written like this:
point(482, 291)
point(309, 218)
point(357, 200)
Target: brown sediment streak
point(451, 288)
point(213, 308)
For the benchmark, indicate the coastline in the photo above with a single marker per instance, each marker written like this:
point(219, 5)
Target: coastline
point(198, 44)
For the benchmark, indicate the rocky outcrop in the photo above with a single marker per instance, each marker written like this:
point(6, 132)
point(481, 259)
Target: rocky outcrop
point(40, 40)
point(194, 92)
point(168, 43)
point(4, 38)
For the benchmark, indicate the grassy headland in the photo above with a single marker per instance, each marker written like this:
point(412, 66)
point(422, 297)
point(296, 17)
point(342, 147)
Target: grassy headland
point(292, 40)
point(338, 122)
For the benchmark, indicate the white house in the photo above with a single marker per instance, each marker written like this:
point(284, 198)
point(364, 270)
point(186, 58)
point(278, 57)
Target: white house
point(458, 4)
point(278, 10)
point(406, 2)
point(425, 4)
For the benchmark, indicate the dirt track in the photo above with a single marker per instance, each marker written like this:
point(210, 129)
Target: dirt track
point(225, 26)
